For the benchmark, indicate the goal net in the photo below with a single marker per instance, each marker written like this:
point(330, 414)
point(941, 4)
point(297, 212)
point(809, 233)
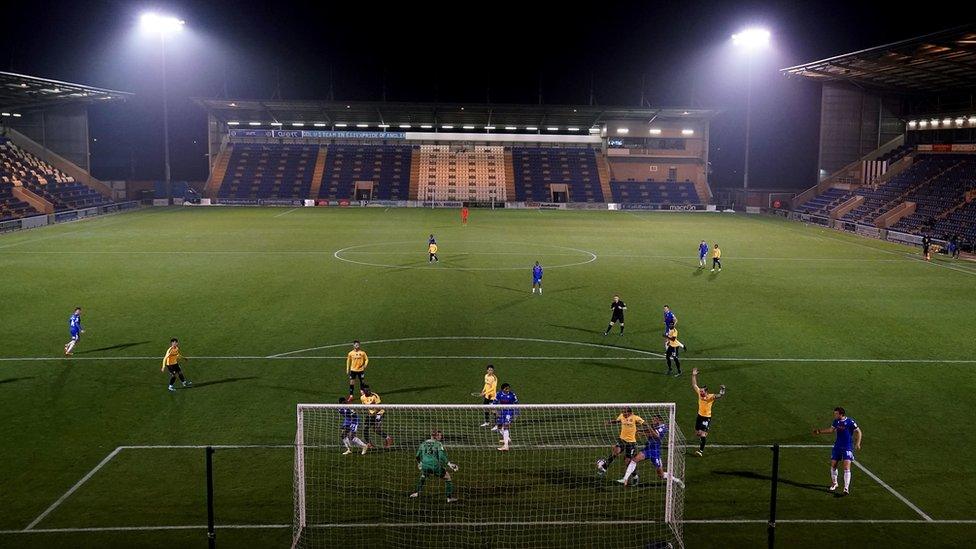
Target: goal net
point(546, 490)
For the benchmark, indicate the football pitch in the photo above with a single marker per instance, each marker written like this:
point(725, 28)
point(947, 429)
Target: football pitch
point(266, 301)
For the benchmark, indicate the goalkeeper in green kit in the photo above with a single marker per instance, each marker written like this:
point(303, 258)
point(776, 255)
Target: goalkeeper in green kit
point(432, 460)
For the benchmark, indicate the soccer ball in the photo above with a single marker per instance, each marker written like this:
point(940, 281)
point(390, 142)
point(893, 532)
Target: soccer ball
point(601, 467)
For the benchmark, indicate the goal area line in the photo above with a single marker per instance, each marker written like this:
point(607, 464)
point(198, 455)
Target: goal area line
point(30, 528)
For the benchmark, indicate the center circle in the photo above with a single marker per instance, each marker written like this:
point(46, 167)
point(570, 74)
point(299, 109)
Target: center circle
point(447, 256)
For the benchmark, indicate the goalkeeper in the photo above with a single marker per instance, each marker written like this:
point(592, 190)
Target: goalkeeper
point(432, 460)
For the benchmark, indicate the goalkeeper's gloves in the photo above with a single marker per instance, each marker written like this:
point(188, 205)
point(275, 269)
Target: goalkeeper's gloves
point(419, 466)
point(453, 466)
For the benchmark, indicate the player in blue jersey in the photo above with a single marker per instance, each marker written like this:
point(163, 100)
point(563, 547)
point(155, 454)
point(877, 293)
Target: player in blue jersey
point(702, 252)
point(537, 277)
point(348, 427)
point(656, 435)
point(505, 416)
point(431, 240)
point(848, 439)
point(670, 321)
point(75, 329)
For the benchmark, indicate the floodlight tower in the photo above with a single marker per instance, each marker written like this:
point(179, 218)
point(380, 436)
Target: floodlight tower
point(752, 41)
point(163, 26)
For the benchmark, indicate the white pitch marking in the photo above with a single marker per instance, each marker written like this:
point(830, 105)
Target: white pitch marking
point(465, 338)
point(498, 357)
point(72, 490)
point(429, 524)
point(338, 255)
point(285, 212)
point(893, 491)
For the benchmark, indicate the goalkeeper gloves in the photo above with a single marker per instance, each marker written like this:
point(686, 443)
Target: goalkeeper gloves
point(453, 466)
point(419, 466)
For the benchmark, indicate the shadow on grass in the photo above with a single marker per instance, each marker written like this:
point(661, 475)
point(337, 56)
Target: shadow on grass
point(416, 389)
point(752, 475)
point(720, 347)
point(507, 288)
point(570, 289)
point(114, 347)
point(222, 381)
point(576, 329)
point(615, 366)
point(14, 379)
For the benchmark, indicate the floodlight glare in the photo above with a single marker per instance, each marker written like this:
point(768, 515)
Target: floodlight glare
point(753, 38)
point(161, 24)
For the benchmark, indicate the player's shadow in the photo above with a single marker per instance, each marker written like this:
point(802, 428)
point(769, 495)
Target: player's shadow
point(615, 366)
point(114, 347)
point(575, 329)
point(415, 389)
point(222, 381)
point(719, 347)
point(570, 289)
point(14, 379)
point(506, 288)
point(752, 475)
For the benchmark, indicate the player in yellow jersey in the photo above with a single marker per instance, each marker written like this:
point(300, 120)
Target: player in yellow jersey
point(716, 258)
point(432, 250)
point(488, 392)
point(171, 362)
point(705, 402)
point(374, 420)
point(627, 441)
point(673, 346)
point(356, 362)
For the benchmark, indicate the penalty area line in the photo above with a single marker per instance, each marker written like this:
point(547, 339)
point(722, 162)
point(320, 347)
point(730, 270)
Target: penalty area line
point(473, 524)
point(74, 488)
point(893, 492)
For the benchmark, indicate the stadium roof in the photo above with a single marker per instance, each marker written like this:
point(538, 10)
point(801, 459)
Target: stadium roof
point(933, 63)
point(21, 92)
point(438, 114)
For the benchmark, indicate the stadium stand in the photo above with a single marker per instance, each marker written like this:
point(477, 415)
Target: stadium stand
point(269, 171)
point(450, 173)
point(536, 169)
point(386, 167)
point(961, 221)
point(826, 202)
point(654, 192)
point(21, 168)
point(12, 207)
point(939, 195)
point(876, 201)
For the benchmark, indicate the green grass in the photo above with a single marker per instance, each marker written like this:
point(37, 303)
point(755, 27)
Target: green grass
point(250, 282)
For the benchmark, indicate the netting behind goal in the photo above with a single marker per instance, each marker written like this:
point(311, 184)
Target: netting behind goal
point(545, 491)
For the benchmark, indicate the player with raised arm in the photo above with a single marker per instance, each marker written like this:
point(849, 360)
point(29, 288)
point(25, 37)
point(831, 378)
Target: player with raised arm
point(505, 416)
point(705, 401)
point(349, 424)
point(848, 439)
point(651, 451)
point(488, 392)
point(356, 362)
point(702, 252)
point(374, 420)
point(171, 362)
point(75, 330)
point(537, 278)
point(432, 460)
point(617, 308)
point(627, 441)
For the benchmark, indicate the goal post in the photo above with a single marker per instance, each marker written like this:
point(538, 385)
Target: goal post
point(545, 490)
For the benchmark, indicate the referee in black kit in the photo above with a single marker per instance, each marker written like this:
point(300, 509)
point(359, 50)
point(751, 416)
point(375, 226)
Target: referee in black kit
point(617, 309)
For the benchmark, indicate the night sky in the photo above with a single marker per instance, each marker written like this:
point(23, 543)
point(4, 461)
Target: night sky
point(451, 52)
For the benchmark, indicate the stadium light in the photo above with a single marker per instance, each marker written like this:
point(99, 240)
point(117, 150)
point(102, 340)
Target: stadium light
point(912, 123)
point(341, 125)
point(750, 40)
point(552, 129)
point(623, 131)
point(384, 126)
point(959, 121)
point(655, 131)
point(404, 126)
point(489, 128)
point(16, 115)
point(572, 129)
point(594, 130)
point(687, 132)
point(469, 127)
point(253, 123)
point(946, 121)
point(531, 128)
point(362, 125)
point(162, 26)
point(319, 124)
point(426, 126)
point(972, 120)
point(923, 123)
point(276, 123)
point(234, 123)
point(510, 128)
point(447, 127)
